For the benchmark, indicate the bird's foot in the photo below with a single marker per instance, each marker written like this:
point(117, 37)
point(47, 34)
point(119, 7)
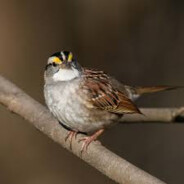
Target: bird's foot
point(88, 139)
point(70, 136)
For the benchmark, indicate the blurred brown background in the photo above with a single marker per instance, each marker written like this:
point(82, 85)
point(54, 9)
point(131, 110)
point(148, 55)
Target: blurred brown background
point(139, 42)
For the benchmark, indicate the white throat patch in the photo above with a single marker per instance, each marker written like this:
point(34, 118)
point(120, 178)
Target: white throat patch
point(66, 74)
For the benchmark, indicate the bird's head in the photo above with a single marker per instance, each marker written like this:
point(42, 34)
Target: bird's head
point(62, 66)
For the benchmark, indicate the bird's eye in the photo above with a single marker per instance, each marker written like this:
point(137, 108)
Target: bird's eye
point(54, 64)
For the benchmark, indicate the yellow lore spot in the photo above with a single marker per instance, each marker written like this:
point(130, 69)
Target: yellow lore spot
point(57, 60)
point(70, 57)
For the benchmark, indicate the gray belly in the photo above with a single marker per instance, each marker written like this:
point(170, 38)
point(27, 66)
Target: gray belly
point(71, 110)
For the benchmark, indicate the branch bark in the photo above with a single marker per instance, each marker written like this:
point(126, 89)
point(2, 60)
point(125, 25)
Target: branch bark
point(97, 155)
point(162, 115)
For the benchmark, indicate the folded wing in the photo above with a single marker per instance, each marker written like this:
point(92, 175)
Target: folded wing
point(103, 95)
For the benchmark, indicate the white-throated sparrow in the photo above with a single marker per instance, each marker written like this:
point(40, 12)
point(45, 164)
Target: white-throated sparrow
point(85, 100)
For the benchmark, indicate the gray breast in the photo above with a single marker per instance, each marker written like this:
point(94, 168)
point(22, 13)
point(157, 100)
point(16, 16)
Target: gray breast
point(65, 101)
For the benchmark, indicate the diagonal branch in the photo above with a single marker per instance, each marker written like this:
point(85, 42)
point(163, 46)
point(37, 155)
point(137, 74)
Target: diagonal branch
point(97, 156)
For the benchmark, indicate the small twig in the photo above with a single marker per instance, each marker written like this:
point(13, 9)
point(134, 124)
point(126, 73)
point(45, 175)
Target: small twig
point(97, 156)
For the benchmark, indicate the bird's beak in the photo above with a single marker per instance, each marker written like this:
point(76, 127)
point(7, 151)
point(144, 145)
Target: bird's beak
point(65, 65)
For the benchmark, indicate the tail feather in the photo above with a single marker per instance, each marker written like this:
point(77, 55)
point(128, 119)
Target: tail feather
point(144, 90)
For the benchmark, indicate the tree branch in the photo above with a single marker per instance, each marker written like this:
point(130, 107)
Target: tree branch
point(165, 115)
point(97, 156)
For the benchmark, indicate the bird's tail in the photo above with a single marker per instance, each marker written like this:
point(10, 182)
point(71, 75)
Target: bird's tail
point(135, 92)
point(153, 89)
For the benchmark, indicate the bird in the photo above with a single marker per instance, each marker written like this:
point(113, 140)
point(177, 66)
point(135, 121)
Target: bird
point(87, 100)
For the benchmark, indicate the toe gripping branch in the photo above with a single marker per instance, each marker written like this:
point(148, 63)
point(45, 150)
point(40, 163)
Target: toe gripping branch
point(86, 140)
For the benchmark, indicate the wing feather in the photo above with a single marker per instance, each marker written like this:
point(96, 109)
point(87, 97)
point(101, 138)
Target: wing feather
point(103, 95)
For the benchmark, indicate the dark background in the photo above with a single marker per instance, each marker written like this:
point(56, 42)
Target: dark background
point(138, 42)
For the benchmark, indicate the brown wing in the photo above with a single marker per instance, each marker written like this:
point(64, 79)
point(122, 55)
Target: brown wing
point(104, 96)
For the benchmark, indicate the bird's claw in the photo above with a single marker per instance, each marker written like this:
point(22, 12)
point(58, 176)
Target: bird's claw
point(70, 136)
point(86, 141)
